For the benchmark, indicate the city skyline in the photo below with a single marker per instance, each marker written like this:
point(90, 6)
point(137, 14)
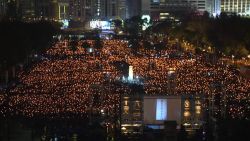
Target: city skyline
point(86, 10)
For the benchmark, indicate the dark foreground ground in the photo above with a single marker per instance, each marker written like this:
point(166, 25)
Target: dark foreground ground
point(80, 130)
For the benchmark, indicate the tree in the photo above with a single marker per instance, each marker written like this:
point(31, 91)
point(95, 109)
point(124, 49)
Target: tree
point(163, 27)
point(118, 25)
point(133, 26)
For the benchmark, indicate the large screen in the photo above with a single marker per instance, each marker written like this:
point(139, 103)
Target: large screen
point(105, 25)
point(158, 109)
point(161, 109)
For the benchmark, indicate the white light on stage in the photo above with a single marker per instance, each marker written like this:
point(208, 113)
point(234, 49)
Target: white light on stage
point(90, 50)
point(161, 109)
point(130, 73)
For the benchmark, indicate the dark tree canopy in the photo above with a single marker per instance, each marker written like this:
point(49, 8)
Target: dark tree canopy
point(19, 40)
point(227, 34)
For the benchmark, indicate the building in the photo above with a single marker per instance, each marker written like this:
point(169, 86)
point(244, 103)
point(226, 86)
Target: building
point(62, 10)
point(110, 9)
point(241, 7)
point(36, 9)
point(215, 7)
point(3, 7)
point(103, 10)
point(54, 10)
point(11, 8)
point(80, 10)
point(122, 9)
point(107, 9)
point(133, 8)
point(155, 8)
point(27, 8)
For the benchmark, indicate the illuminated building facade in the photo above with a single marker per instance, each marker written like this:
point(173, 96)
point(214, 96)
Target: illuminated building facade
point(156, 7)
point(215, 7)
point(63, 9)
point(241, 7)
point(55, 9)
point(110, 9)
point(37, 9)
point(80, 10)
point(86, 10)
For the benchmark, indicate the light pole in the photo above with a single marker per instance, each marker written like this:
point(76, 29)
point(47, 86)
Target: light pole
point(233, 59)
point(248, 61)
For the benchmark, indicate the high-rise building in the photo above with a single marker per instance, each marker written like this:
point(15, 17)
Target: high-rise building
point(109, 9)
point(27, 8)
point(156, 7)
point(3, 7)
point(52, 9)
point(133, 8)
point(44, 8)
point(80, 10)
point(62, 12)
point(33, 9)
point(241, 7)
point(214, 7)
point(85, 10)
point(122, 9)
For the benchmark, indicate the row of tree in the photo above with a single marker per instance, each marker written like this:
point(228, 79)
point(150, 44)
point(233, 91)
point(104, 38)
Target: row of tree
point(132, 26)
point(229, 34)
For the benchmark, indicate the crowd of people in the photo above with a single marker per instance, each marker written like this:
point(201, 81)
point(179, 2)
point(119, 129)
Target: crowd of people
point(84, 81)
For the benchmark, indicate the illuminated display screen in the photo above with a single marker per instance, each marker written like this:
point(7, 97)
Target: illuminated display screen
point(147, 23)
point(156, 1)
point(158, 109)
point(65, 24)
point(100, 24)
point(161, 109)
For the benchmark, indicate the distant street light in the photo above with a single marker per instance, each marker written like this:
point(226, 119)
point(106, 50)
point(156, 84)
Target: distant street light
point(233, 59)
